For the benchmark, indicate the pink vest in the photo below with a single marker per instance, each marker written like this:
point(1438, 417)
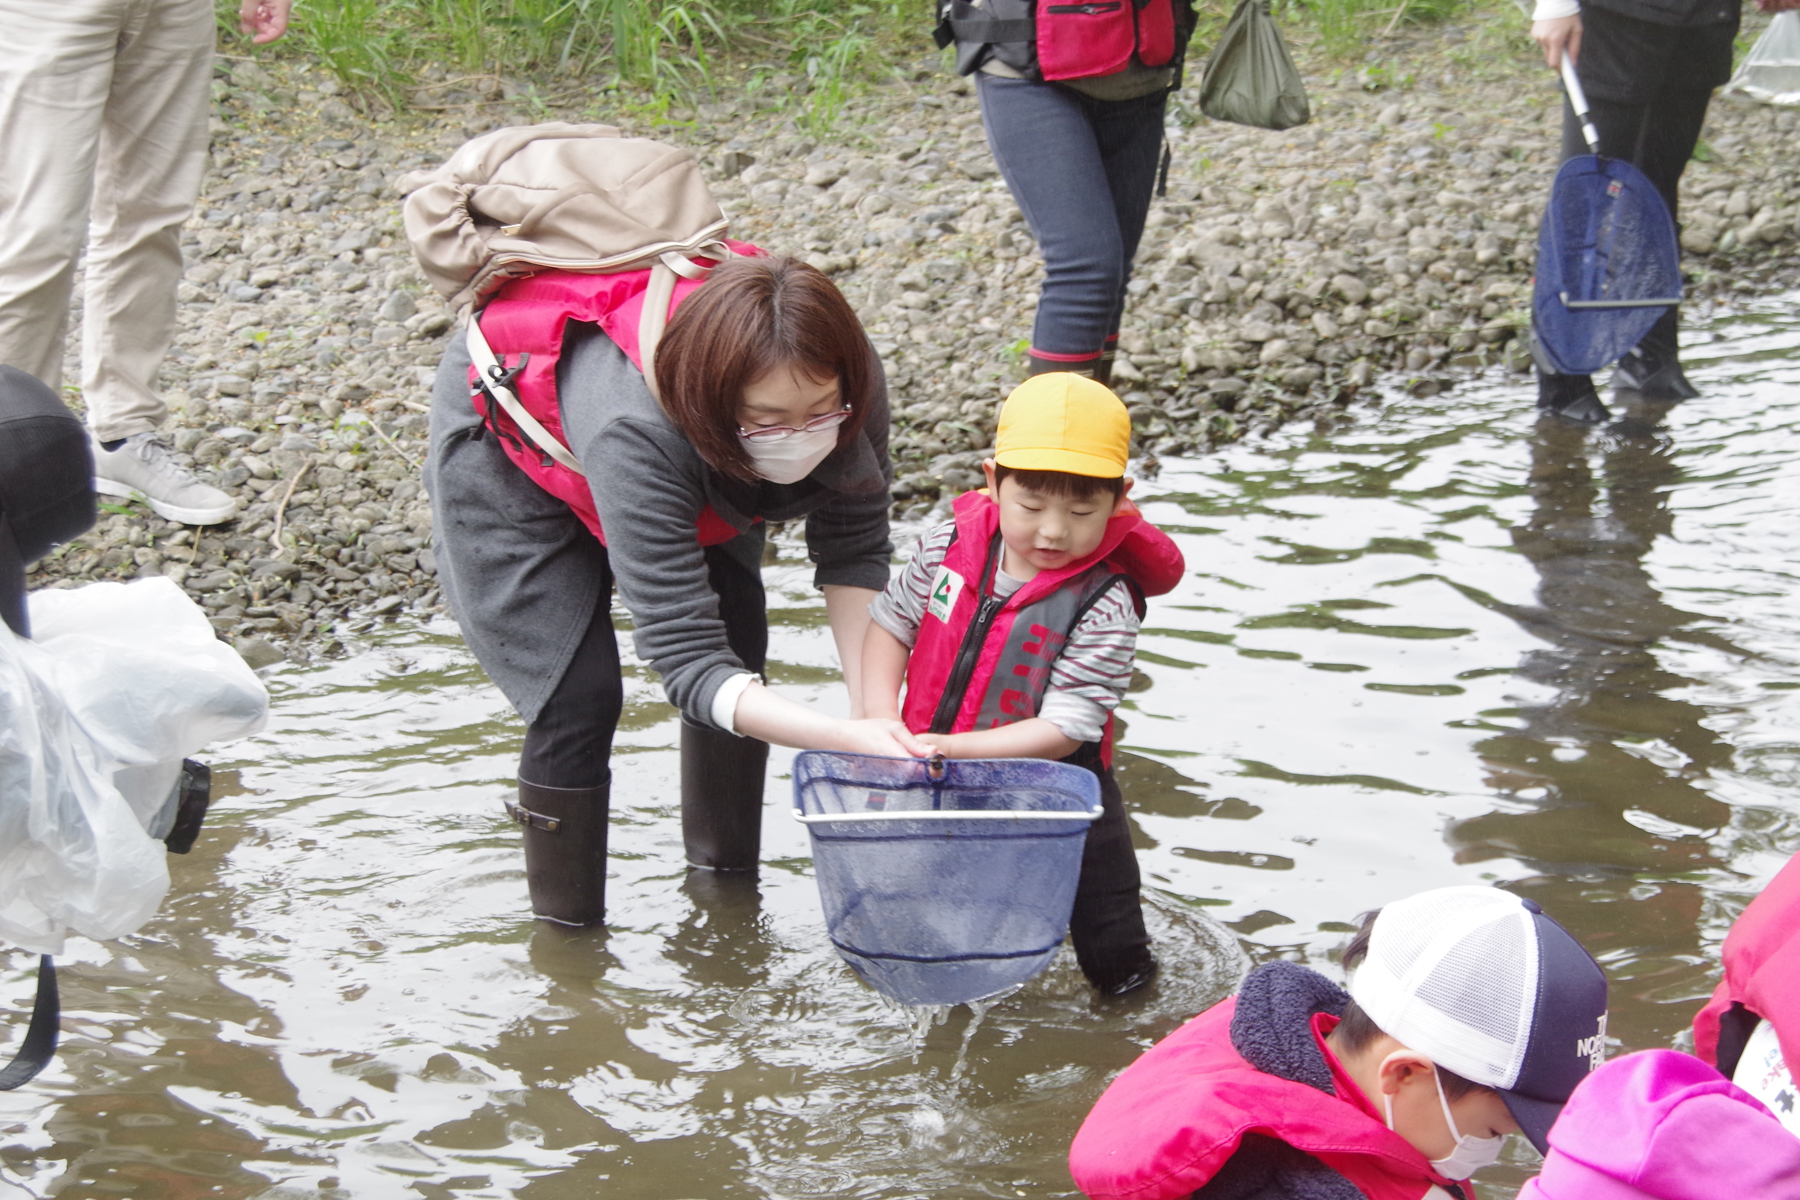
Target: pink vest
point(1762, 968)
point(1171, 1119)
point(980, 662)
point(528, 316)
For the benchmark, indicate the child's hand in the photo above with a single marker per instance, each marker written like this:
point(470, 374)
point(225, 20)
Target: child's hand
point(879, 736)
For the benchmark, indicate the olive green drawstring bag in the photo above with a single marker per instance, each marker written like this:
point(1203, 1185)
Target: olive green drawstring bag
point(1250, 78)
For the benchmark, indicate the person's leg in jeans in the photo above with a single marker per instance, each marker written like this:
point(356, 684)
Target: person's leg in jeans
point(1131, 140)
point(55, 76)
point(152, 154)
point(1048, 149)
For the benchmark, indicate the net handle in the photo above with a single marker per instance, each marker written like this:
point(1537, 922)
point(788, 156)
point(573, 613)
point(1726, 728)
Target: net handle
point(1578, 101)
point(981, 814)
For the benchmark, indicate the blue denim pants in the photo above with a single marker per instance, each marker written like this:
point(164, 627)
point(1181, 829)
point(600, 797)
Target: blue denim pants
point(1082, 171)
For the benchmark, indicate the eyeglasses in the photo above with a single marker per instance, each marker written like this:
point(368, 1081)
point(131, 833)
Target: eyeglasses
point(775, 433)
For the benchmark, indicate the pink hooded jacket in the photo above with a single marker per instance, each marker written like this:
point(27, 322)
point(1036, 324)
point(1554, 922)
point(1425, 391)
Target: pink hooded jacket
point(1665, 1126)
point(1762, 968)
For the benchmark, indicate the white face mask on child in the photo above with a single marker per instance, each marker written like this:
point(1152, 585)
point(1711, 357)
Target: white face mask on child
point(792, 458)
point(1471, 1153)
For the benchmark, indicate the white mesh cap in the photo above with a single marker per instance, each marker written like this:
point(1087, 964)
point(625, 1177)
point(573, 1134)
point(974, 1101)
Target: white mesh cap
point(1453, 974)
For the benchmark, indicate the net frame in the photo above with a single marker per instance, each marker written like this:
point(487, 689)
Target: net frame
point(1608, 264)
point(960, 884)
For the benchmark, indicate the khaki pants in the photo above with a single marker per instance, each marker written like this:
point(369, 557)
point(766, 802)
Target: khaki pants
point(103, 134)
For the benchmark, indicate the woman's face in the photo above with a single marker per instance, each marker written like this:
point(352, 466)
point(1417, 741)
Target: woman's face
point(783, 396)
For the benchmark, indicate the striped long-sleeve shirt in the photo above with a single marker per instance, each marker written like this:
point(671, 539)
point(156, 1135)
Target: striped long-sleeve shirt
point(1089, 677)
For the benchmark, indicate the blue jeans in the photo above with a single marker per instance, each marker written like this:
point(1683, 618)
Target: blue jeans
point(1082, 171)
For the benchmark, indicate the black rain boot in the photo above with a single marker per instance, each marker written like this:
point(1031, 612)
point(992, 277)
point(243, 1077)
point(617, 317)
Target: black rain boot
point(721, 797)
point(1652, 368)
point(1571, 398)
point(1104, 368)
point(565, 850)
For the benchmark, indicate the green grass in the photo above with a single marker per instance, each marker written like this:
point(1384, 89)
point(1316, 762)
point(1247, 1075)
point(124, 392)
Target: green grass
point(1347, 26)
point(669, 49)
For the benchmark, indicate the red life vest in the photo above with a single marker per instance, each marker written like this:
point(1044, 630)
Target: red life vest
point(1173, 1118)
point(1762, 969)
point(1056, 39)
point(528, 316)
point(980, 662)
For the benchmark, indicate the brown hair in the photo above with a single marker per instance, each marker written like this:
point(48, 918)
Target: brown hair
point(751, 316)
point(1061, 483)
point(1356, 1030)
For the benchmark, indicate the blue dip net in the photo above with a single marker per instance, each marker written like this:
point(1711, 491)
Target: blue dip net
point(945, 882)
point(1608, 264)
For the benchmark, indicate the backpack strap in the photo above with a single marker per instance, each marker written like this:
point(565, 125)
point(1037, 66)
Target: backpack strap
point(39, 1046)
point(494, 381)
point(660, 296)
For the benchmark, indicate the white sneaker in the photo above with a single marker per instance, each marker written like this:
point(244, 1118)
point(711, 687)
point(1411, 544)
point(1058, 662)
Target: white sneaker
point(144, 468)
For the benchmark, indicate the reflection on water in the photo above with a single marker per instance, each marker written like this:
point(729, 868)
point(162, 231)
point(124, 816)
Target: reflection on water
point(1430, 645)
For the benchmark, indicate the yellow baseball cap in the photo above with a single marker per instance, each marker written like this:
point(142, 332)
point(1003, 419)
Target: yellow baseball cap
point(1060, 421)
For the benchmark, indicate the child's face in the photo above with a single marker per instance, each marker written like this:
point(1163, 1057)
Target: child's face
point(1044, 532)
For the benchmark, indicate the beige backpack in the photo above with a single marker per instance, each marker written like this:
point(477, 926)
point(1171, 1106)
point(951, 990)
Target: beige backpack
point(572, 197)
point(568, 197)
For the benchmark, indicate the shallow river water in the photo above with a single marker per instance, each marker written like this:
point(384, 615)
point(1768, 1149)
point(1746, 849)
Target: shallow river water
point(1429, 646)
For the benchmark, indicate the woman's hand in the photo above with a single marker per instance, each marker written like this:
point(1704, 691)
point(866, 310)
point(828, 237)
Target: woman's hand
point(1564, 33)
point(876, 736)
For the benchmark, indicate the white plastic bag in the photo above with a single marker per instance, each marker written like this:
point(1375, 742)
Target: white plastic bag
point(1771, 72)
point(119, 683)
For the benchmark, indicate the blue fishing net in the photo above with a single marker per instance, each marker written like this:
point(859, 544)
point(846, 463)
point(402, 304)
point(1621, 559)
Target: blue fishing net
point(1606, 241)
point(945, 890)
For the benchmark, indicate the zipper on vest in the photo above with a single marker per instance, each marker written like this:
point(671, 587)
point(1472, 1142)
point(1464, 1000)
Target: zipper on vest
point(969, 652)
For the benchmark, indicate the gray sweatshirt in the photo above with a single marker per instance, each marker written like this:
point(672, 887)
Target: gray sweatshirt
point(522, 574)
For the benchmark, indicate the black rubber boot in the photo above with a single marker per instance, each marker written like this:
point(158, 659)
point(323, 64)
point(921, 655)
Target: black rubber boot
point(1571, 398)
point(721, 797)
point(565, 850)
point(1652, 368)
point(1103, 369)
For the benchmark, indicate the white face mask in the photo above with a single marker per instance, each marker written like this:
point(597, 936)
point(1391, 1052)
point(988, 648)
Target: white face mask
point(1471, 1153)
point(792, 458)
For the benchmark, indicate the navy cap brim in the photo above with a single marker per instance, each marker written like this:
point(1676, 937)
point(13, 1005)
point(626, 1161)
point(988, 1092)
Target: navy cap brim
point(1535, 1117)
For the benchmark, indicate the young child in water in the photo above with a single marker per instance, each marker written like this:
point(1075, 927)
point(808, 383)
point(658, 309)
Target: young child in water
point(1470, 1015)
point(1015, 625)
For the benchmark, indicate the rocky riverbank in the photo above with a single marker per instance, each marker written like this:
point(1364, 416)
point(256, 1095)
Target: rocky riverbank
point(1282, 275)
